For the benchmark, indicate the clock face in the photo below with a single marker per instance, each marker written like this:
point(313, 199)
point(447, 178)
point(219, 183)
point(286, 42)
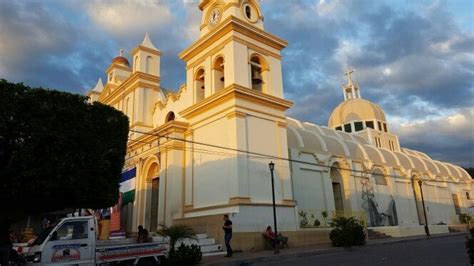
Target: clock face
point(214, 16)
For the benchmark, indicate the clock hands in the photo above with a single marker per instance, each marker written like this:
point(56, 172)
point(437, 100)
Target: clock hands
point(214, 17)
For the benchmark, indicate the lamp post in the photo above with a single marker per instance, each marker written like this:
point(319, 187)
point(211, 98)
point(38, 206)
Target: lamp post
point(427, 229)
point(271, 165)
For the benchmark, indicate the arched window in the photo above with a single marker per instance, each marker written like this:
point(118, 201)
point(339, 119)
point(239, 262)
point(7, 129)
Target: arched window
point(257, 73)
point(218, 74)
point(149, 65)
point(170, 117)
point(199, 85)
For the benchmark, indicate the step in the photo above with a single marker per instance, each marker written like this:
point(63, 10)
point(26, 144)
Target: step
point(211, 248)
point(206, 241)
point(199, 242)
point(216, 253)
point(201, 236)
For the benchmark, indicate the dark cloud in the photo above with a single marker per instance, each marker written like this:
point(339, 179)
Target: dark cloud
point(449, 138)
point(413, 60)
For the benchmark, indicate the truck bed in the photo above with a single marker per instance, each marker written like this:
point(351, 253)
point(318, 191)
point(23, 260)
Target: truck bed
point(126, 249)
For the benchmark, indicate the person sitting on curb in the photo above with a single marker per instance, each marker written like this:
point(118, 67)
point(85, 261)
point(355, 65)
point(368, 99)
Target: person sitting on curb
point(271, 236)
point(276, 239)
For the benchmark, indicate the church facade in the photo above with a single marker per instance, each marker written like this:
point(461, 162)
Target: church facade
point(204, 150)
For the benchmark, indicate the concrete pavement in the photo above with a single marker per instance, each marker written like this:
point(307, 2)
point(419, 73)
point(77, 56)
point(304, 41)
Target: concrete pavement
point(437, 250)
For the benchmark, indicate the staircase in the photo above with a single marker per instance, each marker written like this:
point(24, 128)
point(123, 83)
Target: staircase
point(208, 245)
point(376, 235)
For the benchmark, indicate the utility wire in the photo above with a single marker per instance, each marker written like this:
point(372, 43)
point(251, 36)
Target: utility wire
point(267, 156)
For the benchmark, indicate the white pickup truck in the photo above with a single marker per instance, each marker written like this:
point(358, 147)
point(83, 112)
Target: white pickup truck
point(73, 241)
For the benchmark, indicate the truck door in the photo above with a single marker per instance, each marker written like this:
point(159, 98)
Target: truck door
point(69, 244)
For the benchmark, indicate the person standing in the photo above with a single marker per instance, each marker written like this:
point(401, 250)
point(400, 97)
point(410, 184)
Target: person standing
point(227, 234)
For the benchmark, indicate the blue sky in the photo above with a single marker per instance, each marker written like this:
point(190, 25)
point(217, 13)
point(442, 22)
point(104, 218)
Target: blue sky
point(414, 58)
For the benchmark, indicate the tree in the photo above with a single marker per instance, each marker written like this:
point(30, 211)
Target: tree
point(57, 151)
point(347, 232)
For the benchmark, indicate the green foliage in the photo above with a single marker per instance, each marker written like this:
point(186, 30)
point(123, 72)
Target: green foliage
point(176, 233)
point(347, 232)
point(325, 215)
point(303, 218)
point(317, 223)
point(465, 218)
point(184, 255)
point(57, 151)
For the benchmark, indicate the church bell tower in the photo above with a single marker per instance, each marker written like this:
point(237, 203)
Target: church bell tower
point(235, 78)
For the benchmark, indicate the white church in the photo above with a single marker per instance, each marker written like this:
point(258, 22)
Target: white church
point(204, 150)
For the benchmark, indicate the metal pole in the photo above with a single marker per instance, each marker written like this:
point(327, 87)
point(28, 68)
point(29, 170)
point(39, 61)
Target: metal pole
point(427, 229)
point(274, 209)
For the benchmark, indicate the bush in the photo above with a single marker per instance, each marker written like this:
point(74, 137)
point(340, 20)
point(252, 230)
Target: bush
point(325, 215)
point(303, 219)
point(184, 255)
point(465, 218)
point(176, 233)
point(347, 232)
point(317, 223)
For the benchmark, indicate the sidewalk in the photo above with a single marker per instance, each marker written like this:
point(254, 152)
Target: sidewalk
point(249, 257)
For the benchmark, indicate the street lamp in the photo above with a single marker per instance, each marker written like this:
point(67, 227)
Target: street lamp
point(427, 229)
point(271, 165)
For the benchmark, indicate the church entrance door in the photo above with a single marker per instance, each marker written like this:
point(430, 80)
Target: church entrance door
point(337, 191)
point(155, 190)
point(418, 203)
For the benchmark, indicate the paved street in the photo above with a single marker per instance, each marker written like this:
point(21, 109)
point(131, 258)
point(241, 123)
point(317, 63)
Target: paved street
point(436, 251)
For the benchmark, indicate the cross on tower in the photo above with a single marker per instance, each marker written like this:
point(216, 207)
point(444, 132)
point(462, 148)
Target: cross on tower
point(348, 73)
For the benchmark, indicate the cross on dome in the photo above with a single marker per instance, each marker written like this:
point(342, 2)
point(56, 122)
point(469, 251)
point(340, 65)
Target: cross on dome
point(348, 73)
point(351, 90)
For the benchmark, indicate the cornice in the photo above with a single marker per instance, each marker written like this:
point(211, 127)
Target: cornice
point(161, 131)
point(232, 23)
point(203, 4)
point(146, 49)
point(139, 78)
point(235, 91)
point(115, 65)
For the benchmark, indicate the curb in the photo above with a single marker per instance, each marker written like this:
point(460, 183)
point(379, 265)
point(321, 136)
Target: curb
point(329, 250)
point(414, 239)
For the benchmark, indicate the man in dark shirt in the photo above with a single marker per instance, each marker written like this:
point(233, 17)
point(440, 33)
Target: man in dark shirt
point(227, 234)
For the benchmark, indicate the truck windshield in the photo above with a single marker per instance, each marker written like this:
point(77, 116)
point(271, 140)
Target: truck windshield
point(42, 236)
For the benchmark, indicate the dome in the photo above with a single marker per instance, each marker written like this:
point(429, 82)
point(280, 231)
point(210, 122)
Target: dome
point(121, 61)
point(356, 109)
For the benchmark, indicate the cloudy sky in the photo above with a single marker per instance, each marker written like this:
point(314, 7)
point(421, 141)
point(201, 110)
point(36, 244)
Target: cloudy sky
point(414, 58)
